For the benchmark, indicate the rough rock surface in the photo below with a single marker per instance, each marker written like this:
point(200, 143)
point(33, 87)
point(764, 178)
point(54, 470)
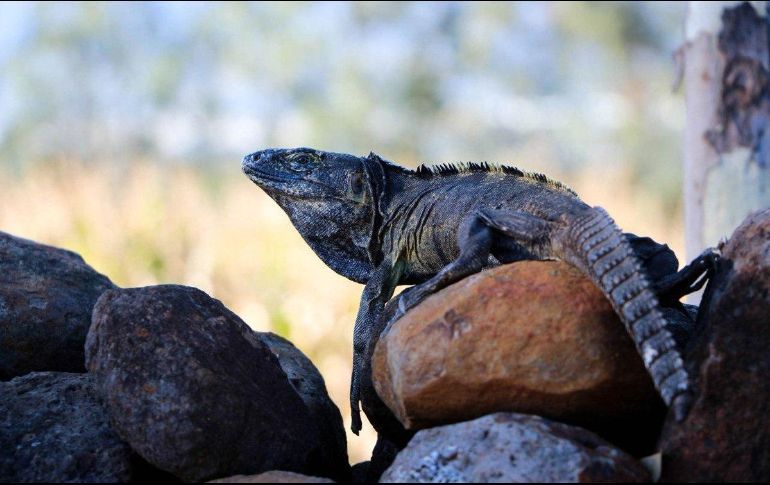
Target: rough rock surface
point(46, 298)
point(273, 477)
point(195, 391)
point(310, 386)
point(534, 337)
point(509, 447)
point(53, 429)
point(726, 436)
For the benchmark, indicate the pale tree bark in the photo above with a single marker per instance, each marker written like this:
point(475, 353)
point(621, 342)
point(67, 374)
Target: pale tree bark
point(727, 132)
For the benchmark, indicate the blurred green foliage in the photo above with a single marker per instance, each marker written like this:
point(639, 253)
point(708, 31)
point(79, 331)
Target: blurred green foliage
point(549, 86)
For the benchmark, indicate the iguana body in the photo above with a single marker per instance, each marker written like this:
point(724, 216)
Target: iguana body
point(383, 225)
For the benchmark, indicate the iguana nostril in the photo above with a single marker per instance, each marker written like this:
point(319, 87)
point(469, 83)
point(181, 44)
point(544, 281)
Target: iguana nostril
point(252, 159)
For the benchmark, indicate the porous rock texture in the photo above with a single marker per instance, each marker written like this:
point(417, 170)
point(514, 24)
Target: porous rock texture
point(196, 392)
point(53, 429)
point(726, 436)
point(46, 298)
point(509, 447)
point(534, 337)
point(311, 388)
point(273, 477)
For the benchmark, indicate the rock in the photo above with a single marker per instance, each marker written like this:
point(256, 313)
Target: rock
point(46, 298)
point(534, 337)
point(726, 436)
point(195, 391)
point(509, 447)
point(310, 386)
point(273, 477)
point(53, 429)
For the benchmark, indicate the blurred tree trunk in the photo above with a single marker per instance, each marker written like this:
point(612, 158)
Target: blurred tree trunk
point(727, 131)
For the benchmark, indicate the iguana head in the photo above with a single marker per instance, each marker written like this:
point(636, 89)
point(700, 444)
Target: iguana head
point(331, 198)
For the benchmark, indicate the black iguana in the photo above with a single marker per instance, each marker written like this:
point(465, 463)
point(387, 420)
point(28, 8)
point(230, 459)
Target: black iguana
point(383, 225)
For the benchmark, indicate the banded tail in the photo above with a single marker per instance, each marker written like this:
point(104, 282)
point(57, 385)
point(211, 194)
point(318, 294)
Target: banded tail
point(601, 249)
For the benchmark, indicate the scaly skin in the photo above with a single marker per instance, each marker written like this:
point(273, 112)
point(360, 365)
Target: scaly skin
point(383, 225)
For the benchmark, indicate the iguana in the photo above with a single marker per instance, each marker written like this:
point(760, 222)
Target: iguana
point(383, 225)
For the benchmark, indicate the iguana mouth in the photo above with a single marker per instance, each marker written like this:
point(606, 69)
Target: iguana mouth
point(283, 185)
point(257, 176)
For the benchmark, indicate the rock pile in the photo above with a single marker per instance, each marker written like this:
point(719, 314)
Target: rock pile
point(519, 373)
point(178, 387)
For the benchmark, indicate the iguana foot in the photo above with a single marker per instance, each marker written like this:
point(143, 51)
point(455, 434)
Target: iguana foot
point(414, 297)
point(690, 278)
point(681, 406)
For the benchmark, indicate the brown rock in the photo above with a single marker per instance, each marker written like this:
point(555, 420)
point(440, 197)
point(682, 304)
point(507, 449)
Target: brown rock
point(534, 337)
point(196, 392)
point(509, 447)
point(273, 477)
point(726, 436)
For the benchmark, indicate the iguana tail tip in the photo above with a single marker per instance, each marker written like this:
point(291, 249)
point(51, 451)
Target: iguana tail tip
point(356, 425)
point(681, 406)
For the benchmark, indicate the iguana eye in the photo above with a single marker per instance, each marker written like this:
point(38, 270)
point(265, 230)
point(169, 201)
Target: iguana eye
point(357, 184)
point(300, 161)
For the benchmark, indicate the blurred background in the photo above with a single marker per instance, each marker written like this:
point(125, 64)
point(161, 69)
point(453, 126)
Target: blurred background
point(122, 126)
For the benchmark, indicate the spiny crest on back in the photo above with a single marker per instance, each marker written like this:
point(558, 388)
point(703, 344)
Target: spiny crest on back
point(442, 169)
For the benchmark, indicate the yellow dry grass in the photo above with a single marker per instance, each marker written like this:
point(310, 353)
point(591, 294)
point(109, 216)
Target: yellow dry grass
point(146, 224)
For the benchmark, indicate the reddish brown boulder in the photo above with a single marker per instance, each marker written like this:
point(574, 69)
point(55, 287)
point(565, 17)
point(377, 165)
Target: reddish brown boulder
point(531, 337)
point(726, 436)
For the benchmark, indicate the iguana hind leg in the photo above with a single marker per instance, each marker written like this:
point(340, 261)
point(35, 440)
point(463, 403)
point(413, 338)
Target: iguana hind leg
point(593, 242)
point(688, 279)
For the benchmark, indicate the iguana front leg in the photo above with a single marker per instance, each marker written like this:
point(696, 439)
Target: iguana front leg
point(377, 292)
point(475, 246)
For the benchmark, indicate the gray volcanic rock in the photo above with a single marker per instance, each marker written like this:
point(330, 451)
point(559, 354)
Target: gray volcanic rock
point(310, 386)
point(195, 391)
point(276, 476)
point(46, 298)
point(53, 429)
point(509, 447)
point(726, 436)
